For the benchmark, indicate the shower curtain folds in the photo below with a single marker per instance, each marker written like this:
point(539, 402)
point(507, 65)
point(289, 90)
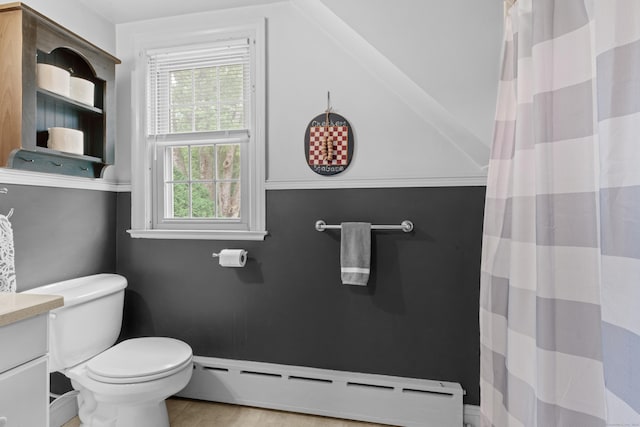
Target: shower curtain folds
point(560, 280)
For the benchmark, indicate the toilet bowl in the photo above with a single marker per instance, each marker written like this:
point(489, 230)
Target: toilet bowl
point(126, 385)
point(122, 385)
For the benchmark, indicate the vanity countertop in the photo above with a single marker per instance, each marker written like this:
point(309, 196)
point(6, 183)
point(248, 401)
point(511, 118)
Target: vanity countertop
point(18, 306)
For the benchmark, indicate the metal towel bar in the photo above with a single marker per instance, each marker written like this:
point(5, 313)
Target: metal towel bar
point(405, 226)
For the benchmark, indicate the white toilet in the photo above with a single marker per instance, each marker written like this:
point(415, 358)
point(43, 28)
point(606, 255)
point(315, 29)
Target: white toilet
point(119, 386)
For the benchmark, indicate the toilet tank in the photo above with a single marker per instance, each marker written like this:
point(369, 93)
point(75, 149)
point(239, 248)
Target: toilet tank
point(90, 320)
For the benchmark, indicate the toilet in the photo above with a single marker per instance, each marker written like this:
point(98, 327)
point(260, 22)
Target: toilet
point(122, 385)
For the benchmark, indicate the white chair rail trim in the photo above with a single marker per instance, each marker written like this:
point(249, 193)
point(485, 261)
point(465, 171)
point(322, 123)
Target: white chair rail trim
point(13, 176)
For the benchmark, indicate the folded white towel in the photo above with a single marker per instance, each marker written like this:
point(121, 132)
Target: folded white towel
point(7, 253)
point(355, 253)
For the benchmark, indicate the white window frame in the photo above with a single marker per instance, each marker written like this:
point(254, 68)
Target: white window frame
point(146, 174)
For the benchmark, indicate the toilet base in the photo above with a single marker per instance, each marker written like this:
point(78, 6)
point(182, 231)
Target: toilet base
point(125, 405)
point(152, 414)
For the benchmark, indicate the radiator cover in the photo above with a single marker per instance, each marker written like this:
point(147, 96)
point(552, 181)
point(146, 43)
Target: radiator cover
point(365, 397)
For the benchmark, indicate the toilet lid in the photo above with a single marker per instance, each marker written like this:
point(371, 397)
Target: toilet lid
point(140, 359)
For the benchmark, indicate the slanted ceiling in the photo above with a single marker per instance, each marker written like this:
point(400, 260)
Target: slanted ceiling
point(389, 75)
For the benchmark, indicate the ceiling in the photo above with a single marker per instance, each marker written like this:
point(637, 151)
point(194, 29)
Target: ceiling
point(121, 11)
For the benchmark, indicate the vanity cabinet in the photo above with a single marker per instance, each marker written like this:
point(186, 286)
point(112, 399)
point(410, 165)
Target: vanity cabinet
point(24, 376)
point(27, 111)
point(24, 363)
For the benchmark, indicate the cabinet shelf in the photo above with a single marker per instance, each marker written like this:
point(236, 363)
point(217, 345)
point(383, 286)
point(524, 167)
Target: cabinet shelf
point(63, 154)
point(52, 161)
point(68, 101)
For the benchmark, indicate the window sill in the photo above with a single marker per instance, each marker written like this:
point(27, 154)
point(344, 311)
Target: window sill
point(198, 234)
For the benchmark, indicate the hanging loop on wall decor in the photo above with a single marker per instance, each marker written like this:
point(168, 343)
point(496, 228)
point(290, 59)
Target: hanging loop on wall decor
point(328, 142)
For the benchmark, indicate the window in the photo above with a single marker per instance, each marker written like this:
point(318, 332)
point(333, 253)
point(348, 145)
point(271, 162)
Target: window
point(202, 139)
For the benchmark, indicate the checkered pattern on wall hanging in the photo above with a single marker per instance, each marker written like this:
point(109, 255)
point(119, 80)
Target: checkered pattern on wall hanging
point(328, 144)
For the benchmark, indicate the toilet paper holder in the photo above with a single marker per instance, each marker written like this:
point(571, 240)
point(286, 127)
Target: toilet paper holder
point(231, 257)
point(217, 254)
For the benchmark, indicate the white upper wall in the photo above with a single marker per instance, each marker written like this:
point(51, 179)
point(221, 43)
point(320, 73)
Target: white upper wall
point(81, 19)
point(416, 79)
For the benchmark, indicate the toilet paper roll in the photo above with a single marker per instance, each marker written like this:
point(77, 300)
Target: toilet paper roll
point(53, 79)
point(232, 257)
point(67, 140)
point(81, 90)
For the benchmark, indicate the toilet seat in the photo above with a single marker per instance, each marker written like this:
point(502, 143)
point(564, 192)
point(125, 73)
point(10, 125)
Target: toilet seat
point(139, 360)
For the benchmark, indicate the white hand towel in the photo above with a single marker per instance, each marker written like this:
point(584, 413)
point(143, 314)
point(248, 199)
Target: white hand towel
point(7, 253)
point(355, 253)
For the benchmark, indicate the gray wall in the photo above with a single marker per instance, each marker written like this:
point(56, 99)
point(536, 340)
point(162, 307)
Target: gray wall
point(60, 233)
point(417, 318)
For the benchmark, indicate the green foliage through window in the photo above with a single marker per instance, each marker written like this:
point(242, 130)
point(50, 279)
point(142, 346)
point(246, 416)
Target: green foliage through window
point(203, 181)
point(207, 99)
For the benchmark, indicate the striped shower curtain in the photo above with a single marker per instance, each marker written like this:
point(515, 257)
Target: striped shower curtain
point(560, 281)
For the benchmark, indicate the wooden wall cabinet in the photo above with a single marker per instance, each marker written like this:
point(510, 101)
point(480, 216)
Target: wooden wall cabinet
point(27, 111)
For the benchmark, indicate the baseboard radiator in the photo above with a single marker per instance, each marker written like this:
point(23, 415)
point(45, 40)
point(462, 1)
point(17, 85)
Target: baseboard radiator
point(365, 397)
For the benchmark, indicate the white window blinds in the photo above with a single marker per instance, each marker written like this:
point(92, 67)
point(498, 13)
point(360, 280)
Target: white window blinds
point(201, 89)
